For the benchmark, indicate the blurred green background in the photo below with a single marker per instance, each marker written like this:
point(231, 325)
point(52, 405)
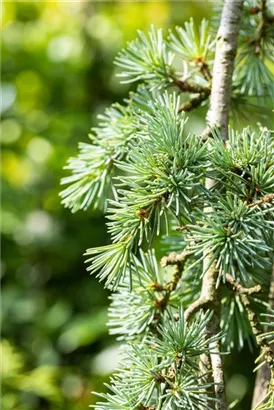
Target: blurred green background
point(57, 75)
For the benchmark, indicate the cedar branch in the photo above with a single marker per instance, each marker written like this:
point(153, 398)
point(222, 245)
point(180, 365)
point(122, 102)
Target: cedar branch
point(218, 116)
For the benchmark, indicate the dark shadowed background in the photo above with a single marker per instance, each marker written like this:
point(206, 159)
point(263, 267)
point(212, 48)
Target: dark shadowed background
point(57, 75)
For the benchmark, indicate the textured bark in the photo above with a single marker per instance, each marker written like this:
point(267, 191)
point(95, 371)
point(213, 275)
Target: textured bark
point(211, 293)
point(263, 374)
point(226, 48)
point(218, 115)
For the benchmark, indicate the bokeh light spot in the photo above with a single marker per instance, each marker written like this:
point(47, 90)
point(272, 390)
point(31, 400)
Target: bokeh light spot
point(39, 149)
point(63, 48)
point(10, 131)
point(8, 96)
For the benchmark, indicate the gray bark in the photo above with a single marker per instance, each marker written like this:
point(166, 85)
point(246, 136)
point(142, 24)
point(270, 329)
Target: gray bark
point(226, 48)
point(263, 375)
point(218, 115)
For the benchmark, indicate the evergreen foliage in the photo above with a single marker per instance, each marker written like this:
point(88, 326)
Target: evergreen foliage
point(254, 72)
point(156, 171)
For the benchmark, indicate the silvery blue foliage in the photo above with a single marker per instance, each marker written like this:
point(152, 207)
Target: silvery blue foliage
point(148, 173)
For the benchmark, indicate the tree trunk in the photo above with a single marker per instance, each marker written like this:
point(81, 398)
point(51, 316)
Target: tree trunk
point(263, 374)
point(226, 49)
point(218, 115)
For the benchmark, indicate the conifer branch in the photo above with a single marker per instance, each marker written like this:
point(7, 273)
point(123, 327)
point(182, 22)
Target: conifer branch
point(218, 116)
point(235, 286)
point(174, 258)
point(263, 378)
point(224, 65)
point(220, 194)
point(201, 303)
point(262, 27)
point(178, 260)
point(217, 363)
point(267, 199)
point(193, 102)
point(204, 68)
point(267, 351)
point(185, 86)
point(203, 92)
